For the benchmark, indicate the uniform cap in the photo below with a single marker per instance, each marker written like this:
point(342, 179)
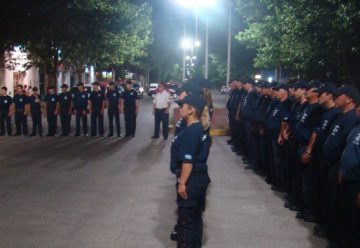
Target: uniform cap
point(35, 89)
point(95, 83)
point(191, 88)
point(327, 87)
point(300, 85)
point(80, 84)
point(193, 100)
point(64, 86)
point(313, 84)
point(349, 91)
point(112, 83)
point(282, 87)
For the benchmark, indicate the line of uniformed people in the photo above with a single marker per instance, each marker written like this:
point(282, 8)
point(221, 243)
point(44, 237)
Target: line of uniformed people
point(304, 138)
point(81, 103)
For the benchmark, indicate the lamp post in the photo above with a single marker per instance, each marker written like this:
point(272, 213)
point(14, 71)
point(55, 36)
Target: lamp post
point(197, 4)
point(228, 71)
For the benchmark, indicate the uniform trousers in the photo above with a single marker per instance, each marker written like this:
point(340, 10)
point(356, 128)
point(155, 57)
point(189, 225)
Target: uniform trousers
point(52, 123)
point(190, 223)
point(65, 119)
point(37, 122)
point(5, 119)
point(80, 116)
point(130, 121)
point(97, 122)
point(114, 114)
point(21, 122)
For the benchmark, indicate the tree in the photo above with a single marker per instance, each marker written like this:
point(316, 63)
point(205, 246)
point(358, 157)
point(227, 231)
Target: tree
point(79, 32)
point(314, 38)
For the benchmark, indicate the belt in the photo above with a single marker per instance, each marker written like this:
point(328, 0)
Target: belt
point(199, 173)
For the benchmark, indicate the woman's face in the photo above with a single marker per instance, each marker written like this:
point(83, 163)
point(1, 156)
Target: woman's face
point(186, 110)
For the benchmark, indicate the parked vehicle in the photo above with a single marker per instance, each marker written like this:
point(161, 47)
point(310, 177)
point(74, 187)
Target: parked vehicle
point(224, 90)
point(152, 89)
point(139, 89)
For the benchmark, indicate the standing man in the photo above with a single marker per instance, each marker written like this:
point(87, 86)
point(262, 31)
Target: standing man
point(35, 110)
point(5, 112)
point(65, 105)
point(21, 102)
point(96, 107)
point(114, 107)
point(130, 108)
point(51, 107)
point(161, 107)
point(80, 106)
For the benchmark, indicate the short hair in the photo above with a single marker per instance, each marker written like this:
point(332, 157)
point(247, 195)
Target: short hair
point(4, 88)
point(20, 86)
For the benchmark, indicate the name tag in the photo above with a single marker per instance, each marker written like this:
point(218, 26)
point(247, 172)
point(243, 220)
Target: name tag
point(83, 96)
point(65, 98)
point(114, 94)
point(20, 100)
point(5, 101)
point(53, 99)
point(99, 95)
point(131, 93)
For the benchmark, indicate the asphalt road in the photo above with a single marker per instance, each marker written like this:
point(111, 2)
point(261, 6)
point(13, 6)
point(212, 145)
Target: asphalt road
point(114, 193)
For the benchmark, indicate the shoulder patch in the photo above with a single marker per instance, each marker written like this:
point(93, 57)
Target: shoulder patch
point(188, 156)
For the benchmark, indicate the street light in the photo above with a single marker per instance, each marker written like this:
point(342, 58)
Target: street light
point(186, 43)
point(196, 4)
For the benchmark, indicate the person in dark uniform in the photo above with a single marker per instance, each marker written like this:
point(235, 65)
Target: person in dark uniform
point(5, 112)
point(346, 100)
point(326, 99)
point(247, 111)
point(279, 114)
point(35, 110)
point(51, 106)
point(81, 106)
point(130, 107)
point(189, 88)
point(21, 102)
point(305, 135)
point(96, 107)
point(65, 106)
point(189, 153)
point(349, 181)
point(113, 105)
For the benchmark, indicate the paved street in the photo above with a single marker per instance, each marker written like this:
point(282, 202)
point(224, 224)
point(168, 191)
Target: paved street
point(119, 193)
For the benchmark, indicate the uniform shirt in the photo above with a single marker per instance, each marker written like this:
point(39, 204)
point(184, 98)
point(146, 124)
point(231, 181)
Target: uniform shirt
point(249, 105)
point(130, 97)
point(65, 100)
point(192, 145)
point(350, 159)
point(323, 130)
point(308, 123)
point(35, 103)
point(336, 140)
point(295, 113)
point(180, 126)
point(162, 99)
point(96, 100)
point(51, 103)
point(279, 114)
point(113, 98)
point(260, 112)
point(5, 103)
point(81, 101)
point(20, 101)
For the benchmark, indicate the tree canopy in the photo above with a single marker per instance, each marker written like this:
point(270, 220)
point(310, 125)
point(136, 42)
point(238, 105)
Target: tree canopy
point(77, 32)
point(313, 38)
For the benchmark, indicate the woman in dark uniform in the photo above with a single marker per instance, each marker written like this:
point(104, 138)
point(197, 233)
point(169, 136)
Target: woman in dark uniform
point(189, 153)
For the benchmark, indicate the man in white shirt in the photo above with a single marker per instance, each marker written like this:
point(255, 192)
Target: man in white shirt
point(161, 107)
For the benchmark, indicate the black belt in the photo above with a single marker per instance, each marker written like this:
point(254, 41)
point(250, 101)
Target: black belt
point(199, 173)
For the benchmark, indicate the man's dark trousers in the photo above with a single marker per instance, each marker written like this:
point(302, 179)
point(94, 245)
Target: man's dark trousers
point(37, 124)
point(161, 117)
point(52, 122)
point(83, 117)
point(114, 114)
point(97, 118)
point(130, 121)
point(21, 122)
point(5, 118)
point(65, 119)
